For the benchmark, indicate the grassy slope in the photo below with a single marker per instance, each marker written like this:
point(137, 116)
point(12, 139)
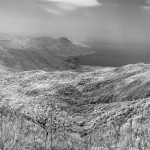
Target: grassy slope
point(102, 101)
point(107, 90)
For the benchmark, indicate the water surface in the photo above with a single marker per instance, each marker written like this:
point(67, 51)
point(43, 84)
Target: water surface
point(109, 55)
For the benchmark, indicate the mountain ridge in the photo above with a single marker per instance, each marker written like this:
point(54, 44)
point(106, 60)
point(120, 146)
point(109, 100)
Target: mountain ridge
point(30, 53)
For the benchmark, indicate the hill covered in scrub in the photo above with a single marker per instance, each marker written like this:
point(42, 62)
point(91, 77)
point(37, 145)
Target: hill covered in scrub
point(91, 108)
point(36, 53)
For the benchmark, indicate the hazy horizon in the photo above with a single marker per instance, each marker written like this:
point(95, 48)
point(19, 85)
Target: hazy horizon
point(124, 23)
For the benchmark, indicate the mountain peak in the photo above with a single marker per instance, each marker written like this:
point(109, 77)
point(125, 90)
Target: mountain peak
point(64, 39)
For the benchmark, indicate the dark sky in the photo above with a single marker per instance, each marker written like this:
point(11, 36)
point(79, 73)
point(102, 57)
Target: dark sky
point(112, 21)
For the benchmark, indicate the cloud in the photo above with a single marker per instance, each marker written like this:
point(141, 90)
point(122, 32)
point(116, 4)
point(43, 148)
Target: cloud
point(145, 7)
point(59, 7)
point(77, 2)
point(136, 3)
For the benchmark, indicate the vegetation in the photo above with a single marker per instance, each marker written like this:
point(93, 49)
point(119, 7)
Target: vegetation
point(96, 109)
point(19, 131)
point(55, 129)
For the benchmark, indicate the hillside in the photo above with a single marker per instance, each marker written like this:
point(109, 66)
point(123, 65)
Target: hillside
point(39, 53)
point(108, 107)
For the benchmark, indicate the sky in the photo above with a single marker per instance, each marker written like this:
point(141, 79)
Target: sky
point(108, 21)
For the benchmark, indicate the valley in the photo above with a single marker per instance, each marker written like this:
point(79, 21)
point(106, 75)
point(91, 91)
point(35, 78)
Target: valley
point(48, 104)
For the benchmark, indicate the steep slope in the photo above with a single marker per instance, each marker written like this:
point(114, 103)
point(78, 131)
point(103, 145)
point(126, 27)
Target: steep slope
point(33, 53)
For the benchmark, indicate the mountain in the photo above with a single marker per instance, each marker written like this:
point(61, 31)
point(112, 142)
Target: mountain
point(39, 53)
point(45, 104)
point(105, 108)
